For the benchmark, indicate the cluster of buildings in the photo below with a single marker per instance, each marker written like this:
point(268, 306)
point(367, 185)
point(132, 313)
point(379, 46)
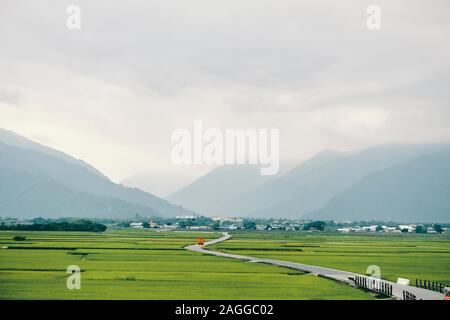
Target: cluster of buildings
point(222, 223)
point(141, 225)
point(234, 223)
point(287, 225)
point(14, 221)
point(226, 219)
point(185, 217)
point(226, 223)
point(151, 224)
point(410, 228)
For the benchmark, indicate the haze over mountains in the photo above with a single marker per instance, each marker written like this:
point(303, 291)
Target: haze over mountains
point(305, 190)
point(214, 192)
point(39, 181)
point(417, 190)
point(12, 138)
point(409, 183)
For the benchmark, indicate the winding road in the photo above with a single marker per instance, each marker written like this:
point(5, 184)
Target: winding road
point(399, 291)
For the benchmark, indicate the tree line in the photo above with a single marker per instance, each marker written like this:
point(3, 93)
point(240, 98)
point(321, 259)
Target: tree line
point(78, 225)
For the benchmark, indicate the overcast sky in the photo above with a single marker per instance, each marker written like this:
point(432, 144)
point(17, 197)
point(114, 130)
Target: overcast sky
point(113, 92)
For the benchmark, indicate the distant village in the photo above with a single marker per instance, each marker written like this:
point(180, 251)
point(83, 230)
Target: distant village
point(226, 223)
point(237, 223)
point(405, 228)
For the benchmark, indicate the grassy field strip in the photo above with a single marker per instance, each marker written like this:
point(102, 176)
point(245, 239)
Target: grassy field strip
point(406, 256)
point(396, 290)
point(112, 268)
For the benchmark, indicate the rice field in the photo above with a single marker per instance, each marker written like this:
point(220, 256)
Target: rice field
point(411, 256)
point(144, 264)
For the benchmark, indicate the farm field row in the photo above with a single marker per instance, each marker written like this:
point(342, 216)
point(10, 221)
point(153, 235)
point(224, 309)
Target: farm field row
point(145, 264)
point(408, 256)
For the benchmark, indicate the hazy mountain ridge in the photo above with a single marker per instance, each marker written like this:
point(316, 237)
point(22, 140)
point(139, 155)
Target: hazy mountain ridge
point(312, 188)
point(77, 178)
point(13, 139)
point(417, 190)
point(284, 187)
point(24, 194)
point(389, 182)
point(306, 188)
point(215, 192)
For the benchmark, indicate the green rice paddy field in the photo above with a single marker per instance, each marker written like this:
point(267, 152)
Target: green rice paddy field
point(145, 264)
point(408, 256)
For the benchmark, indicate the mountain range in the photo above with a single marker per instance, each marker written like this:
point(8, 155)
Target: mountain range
point(213, 193)
point(314, 188)
point(404, 183)
point(417, 190)
point(39, 181)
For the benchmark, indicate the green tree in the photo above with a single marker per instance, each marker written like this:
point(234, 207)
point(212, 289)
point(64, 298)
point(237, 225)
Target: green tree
point(216, 225)
point(316, 225)
point(249, 225)
point(379, 228)
point(438, 228)
point(421, 229)
point(182, 224)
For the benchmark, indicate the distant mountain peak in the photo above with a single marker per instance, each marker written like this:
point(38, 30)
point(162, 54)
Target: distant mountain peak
point(417, 190)
point(14, 139)
point(307, 187)
point(34, 181)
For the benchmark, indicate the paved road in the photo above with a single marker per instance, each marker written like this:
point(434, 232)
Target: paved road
point(339, 275)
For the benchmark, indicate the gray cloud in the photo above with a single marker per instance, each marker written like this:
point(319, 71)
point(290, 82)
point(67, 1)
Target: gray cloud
point(10, 96)
point(112, 92)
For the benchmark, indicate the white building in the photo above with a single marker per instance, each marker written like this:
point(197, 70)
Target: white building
point(230, 227)
point(223, 218)
point(152, 224)
point(371, 229)
point(410, 228)
point(136, 225)
point(169, 226)
point(183, 217)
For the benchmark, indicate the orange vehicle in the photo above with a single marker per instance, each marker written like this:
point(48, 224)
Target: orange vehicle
point(200, 241)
